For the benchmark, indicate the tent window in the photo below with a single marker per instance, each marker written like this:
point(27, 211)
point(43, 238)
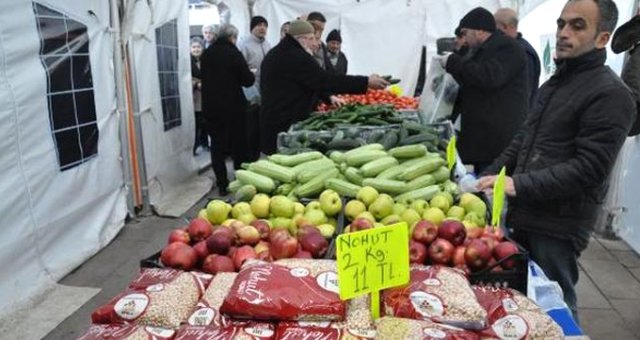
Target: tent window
point(64, 52)
point(167, 50)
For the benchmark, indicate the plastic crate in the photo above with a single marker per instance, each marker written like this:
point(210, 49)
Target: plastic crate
point(515, 278)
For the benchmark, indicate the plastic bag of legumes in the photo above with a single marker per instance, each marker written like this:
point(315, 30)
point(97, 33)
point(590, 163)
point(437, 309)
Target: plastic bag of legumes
point(256, 331)
point(436, 293)
point(292, 289)
point(358, 325)
point(126, 332)
point(390, 328)
point(157, 297)
point(512, 315)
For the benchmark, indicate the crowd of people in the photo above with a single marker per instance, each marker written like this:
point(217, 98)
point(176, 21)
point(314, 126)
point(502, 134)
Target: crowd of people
point(558, 142)
point(246, 91)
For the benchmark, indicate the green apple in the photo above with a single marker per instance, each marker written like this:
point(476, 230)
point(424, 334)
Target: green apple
point(246, 218)
point(391, 219)
point(399, 208)
point(367, 195)
point(203, 214)
point(281, 206)
point(476, 219)
point(448, 196)
point(316, 217)
point(217, 211)
point(381, 208)
point(411, 217)
point(478, 207)
point(434, 215)
point(298, 208)
point(313, 205)
point(441, 202)
point(420, 206)
point(386, 197)
point(260, 205)
point(330, 202)
point(469, 224)
point(354, 208)
point(456, 212)
point(241, 208)
point(367, 215)
point(467, 198)
point(346, 229)
point(378, 225)
point(281, 222)
point(333, 221)
point(228, 222)
point(327, 230)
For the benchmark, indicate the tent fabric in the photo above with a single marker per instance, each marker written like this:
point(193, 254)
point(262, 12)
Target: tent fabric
point(53, 219)
point(167, 152)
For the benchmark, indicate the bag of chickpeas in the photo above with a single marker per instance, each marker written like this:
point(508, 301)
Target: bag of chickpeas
point(126, 332)
point(157, 298)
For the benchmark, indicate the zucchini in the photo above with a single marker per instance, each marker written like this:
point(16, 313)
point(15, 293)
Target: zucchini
point(441, 174)
point(262, 183)
point(343, 144)
point(316, 185)
point(408, 151)
point(421, 168)
point(374, 146)
point(389, 140)
point(363, 156)
point(387, 186)
point(353, 175)
point(308, 174)
point(337, 156)
point(272, 170)
point(343, 188)
point(245, 193)
point(377, 166)
point(421, 182)
point(392, 172)
point(426, 193)
point(294, 160)
point(312, 164)
point(419, 138)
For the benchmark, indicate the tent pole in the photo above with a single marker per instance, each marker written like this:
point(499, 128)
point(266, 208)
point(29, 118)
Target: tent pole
point(121, 104)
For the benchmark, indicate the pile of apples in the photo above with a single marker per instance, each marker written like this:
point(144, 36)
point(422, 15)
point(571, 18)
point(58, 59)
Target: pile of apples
point(223, 236)
point(440, 232)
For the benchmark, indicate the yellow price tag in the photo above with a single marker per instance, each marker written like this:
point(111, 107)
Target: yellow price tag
point(396, 89)
point(372, 260)
point(498, 198)
point(451, 152)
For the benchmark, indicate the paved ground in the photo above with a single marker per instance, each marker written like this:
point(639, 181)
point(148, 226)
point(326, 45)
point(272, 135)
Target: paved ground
point(608, 290)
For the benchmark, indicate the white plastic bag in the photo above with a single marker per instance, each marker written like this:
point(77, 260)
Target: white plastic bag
point(439, 94)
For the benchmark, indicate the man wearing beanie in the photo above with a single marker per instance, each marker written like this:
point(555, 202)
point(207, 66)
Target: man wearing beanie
point(292, 82)
point(337, 59)
point(493, 98)
point(254, 47)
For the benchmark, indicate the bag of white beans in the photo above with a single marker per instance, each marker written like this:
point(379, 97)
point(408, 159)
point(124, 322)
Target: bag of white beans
point(390, 328)
point(126, 332)
point(157, 297)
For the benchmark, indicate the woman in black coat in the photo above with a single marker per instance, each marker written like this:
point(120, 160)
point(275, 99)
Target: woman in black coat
point(224, 73)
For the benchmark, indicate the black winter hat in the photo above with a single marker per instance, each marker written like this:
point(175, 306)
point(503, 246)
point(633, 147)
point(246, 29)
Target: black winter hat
point(479, 18)
point(257, 20)
point(334, 36)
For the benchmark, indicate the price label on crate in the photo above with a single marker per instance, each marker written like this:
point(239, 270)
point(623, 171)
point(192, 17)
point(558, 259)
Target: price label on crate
point(451, 152)
point(372, 260)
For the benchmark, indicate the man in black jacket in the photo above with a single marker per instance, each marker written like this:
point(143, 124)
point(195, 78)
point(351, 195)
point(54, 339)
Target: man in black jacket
point(292, 80)
point(493, 99)
point(560, 160)
point(337, 59)
point(507, 22)
point(224, 105)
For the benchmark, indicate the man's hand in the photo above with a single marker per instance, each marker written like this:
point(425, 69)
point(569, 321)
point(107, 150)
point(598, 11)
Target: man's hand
point(377, 83)
point(337, 102)
point(486, 184)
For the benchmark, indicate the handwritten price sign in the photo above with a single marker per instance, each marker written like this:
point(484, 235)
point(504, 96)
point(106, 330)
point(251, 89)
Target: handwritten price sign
point(372, 260)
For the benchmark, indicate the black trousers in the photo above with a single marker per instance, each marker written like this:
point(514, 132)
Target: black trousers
point(253, 132)
point(228, 139)
point(202, 138)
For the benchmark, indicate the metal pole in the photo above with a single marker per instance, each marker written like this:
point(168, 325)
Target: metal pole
point(121, 104)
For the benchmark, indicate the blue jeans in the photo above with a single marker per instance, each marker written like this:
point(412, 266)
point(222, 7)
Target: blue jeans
point(558, 259)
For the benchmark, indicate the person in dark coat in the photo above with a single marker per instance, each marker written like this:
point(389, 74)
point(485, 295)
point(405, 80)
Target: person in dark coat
point(224, 73)
point(507, 22)
point(494, 92)
point(201, 139)
point(337, 59)
point(292, 80)
point(559, 163)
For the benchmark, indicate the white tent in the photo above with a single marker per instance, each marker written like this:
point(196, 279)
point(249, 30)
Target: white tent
point(96, 102)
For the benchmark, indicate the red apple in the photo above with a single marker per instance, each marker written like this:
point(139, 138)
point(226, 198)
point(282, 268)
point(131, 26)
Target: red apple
point(243, 254)
point(302, 254)
point(490, 240)
point(503, 250)
point(236, 225)
point(284, 247)
point(248, 235)
point(201, 249)
point(263, 228)
point(458, 256)
point(477, 254)
point(440, 251)
point(452, 231)
point(262, 246)
point(425, 232)
point(265, 256)
point(220, 241)
point(314, 243)
point(179, 255)
point(232, 251)
point(179, 235)
point(199, 229)
point(215, 263)
point(496, 232)
point(417, 252)
point(278, 233)
point(361, 224)
point(475, 232)
point(307, 229)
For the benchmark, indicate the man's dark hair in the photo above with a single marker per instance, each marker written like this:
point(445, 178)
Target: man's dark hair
point(607, 15)
point(316, 16)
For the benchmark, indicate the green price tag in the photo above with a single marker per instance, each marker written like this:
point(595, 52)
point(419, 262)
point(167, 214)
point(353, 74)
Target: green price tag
point(451, 152)
point(372, 260)
point(498, 198)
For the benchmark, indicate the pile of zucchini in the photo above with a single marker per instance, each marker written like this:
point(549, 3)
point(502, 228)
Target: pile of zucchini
point(408, 172)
